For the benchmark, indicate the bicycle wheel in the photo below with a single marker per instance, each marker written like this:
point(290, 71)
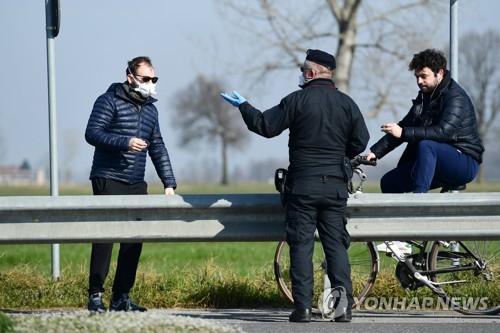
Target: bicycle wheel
point(473, 268)
point(363, 258)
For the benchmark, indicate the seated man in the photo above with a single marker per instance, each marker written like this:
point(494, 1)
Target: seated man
point(444, 145)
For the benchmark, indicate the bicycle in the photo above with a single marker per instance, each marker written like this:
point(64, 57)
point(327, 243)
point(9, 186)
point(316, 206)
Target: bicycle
point(448, 268)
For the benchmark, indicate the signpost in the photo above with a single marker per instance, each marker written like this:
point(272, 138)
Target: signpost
point(53, 19)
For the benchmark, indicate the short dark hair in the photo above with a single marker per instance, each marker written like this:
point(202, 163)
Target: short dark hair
point(431, 58)
point(135, 63)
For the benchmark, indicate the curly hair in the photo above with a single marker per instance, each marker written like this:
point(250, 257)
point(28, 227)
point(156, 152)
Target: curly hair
point(430, 58)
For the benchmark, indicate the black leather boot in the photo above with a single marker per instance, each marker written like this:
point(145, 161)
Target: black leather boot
point(346, 317)
point(300, 316)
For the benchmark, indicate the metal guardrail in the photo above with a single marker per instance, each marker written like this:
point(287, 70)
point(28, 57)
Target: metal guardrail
point(239, 217)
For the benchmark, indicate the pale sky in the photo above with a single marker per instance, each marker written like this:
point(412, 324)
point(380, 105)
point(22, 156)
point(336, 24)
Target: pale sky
point(97, 38)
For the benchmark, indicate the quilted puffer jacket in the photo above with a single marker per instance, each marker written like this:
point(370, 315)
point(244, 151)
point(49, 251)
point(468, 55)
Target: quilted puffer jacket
point(449, 118)
point(114, 120)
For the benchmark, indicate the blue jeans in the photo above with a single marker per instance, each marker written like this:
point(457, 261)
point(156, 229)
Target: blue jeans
point(435, 161)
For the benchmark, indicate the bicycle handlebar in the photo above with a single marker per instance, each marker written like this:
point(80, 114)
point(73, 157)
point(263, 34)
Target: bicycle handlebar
point(361, 159)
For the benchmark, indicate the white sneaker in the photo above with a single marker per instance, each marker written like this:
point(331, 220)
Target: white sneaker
point(402, 246)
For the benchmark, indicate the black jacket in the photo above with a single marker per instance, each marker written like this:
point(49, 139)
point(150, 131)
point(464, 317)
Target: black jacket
point(325, 125)
point(114, 120)
point(448, 118)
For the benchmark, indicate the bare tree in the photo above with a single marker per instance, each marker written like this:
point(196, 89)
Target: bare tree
point(203, 114)
point(480, 71)
point(391, 30)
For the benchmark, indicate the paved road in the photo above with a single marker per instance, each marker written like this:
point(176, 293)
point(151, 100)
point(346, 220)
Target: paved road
point(273, 320)
point(263, 320)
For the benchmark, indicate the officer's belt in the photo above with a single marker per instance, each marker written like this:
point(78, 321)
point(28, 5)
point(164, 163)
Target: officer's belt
point(335, 170)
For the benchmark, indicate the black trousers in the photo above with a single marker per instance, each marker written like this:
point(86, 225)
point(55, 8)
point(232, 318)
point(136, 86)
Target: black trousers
point(317, 202)
point(128, 257)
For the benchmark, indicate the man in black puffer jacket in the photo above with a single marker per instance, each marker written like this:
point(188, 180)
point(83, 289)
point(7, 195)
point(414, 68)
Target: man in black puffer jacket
point(124, 127)
point(444, 145)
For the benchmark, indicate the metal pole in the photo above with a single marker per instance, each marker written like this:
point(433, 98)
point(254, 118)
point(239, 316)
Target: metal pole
point(54, 186)
point(454, 39)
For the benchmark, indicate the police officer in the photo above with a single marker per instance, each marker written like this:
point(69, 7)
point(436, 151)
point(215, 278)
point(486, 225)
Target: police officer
point(326, 127)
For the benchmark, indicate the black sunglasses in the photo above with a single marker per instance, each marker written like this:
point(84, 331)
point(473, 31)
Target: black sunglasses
point(148, 78)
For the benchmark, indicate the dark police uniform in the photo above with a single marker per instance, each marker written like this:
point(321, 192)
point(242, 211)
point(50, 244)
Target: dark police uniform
point(325, 126)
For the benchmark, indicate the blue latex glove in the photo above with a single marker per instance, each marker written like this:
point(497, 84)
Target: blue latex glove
point(235, 99)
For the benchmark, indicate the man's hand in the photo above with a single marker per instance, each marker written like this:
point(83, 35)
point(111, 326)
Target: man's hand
point(169, 191)
point(370, 156)
point(235, 99)
point(136, 145)
point(393, 129)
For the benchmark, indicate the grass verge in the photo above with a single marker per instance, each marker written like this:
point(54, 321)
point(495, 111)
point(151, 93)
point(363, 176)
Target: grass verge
point(209, 286)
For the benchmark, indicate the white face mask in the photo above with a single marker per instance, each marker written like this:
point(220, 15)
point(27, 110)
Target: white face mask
point(303, 80)
point(145, 89)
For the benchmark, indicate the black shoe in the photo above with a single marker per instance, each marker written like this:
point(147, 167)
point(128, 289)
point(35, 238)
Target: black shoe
point(346, 317)
point(95, 303)
point(125, 303)
point(300, 316)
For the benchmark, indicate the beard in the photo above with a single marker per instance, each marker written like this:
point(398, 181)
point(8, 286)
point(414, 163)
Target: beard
point(426, 88)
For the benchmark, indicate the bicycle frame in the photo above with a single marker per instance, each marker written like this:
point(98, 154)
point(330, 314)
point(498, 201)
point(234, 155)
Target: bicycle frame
point(457, 267)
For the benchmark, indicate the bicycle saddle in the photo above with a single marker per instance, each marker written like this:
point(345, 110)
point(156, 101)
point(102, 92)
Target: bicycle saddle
point(445, 187)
